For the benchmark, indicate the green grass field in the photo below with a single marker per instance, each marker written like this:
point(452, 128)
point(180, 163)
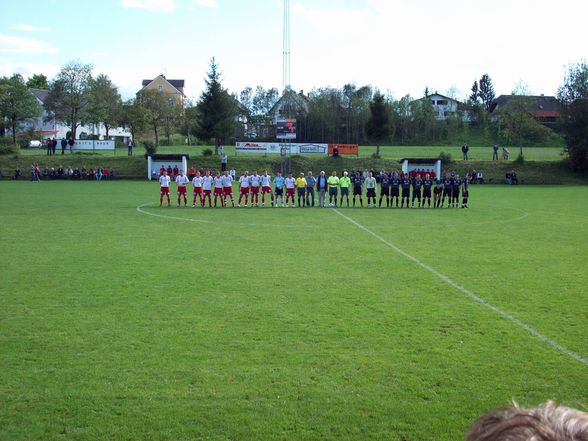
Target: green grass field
point(126, 323)
point(477, 153)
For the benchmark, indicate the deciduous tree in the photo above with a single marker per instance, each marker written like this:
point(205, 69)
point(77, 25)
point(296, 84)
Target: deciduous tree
point(68, 100)
point(17, 103)
point(105, 103)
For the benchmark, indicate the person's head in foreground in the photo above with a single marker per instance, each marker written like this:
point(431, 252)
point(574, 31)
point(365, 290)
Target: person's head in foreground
point(547, 422)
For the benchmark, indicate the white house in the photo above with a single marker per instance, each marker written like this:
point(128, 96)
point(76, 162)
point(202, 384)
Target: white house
point(444, 106)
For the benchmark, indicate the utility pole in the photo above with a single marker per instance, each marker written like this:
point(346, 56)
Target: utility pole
point(286, 53)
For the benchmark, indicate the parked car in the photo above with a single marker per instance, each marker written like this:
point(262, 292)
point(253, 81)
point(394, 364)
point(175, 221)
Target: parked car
point(35, 143)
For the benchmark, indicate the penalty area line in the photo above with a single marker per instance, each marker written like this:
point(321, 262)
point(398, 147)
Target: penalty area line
point(470, 294)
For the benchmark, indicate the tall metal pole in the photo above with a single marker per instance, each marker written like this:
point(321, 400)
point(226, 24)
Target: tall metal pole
point(286, 53)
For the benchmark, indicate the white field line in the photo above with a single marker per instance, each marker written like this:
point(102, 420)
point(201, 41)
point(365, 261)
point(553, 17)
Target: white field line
point(470, 294)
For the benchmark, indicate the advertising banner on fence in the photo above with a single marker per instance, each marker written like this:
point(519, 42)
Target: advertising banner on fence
point(344, 149)
point(84, 144)
point(266, 148)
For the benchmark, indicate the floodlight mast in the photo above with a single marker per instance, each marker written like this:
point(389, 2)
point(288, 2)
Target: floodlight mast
point(286, 53)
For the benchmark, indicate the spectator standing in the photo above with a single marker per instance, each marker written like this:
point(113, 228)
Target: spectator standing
point(495, 152)
point(17, 173)
point(63, 145)
point(223, 160)
point(233, 173)
point(505, 153)
point(130, 147)
point(464, 150)
point(53, 146)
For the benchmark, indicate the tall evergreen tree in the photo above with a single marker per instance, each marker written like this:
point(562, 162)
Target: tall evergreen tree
point(475, 95)
point(17, 103)
point(216, 110)
point(573, 95)
point(486, 91)
point(379, 125)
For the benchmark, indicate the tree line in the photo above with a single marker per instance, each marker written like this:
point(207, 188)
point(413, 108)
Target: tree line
point(351, 114)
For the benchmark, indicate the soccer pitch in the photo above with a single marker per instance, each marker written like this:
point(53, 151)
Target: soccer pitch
point(122, 320)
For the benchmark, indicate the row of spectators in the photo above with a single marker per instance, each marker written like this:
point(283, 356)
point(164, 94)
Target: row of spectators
point(98, 174)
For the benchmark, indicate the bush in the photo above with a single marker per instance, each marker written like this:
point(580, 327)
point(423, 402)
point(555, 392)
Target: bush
point(150, 148)
point(445, 158)
point(520, 159)
point(376, 155)
point(7, 147)
point(207, 152)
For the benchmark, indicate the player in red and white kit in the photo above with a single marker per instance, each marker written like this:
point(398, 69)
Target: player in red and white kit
point(164, 181)
point(244, 188)
point(290, 188)
point(266, 187)
point(207, 189)
point(182, 180)
point(228, 188)
point(218, 189)
point(197, 183)
point(255, 182)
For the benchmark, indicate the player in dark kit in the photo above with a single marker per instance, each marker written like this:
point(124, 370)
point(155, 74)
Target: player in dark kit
point(455, 192)
point(406, 183)
point(464, 194)
point(447, 189)
point(395, 188)
point(357, 181)
point(417, 186)
point(427, 184)
point(385, 189)
point(437, 191)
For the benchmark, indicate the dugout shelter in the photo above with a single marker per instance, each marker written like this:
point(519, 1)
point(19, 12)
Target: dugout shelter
point(422, 165)
point(155, 162)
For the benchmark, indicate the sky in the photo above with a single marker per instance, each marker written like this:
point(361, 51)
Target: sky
point(398, 46)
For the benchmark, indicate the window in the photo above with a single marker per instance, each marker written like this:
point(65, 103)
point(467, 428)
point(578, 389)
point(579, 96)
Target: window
point(442, 102)
point(160, 88)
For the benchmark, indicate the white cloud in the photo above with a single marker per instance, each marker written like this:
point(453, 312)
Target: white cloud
point(21, 45)
point(29, 28)
point(9, 67)
point(206, 3)
point(151, 5)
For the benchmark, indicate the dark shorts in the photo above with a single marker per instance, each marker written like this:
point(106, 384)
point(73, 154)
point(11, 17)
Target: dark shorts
point(405, 193)
point(446, 192)
point(437, 190)
point(344, 191)
point(371, 192)
point(333, 191)
point(384, 191)
point(465, 194)
point(395, 192)
point(356, 191)
point(427, 193)
point(416, 194)
point(279, 191)
point(455, 194)
point(301, 192)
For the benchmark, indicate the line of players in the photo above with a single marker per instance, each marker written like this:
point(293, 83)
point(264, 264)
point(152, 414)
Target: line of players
point(395, 189)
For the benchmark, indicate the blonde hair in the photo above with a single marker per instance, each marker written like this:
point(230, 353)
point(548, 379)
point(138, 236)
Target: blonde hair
point(547, 422)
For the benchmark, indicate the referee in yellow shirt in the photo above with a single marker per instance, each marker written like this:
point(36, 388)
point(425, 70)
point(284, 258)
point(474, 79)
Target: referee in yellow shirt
point(301, 188)
point(345, 183)
point(333, 182)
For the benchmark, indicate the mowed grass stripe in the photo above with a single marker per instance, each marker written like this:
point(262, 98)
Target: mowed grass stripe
point(127, 326)
point(470, 294)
